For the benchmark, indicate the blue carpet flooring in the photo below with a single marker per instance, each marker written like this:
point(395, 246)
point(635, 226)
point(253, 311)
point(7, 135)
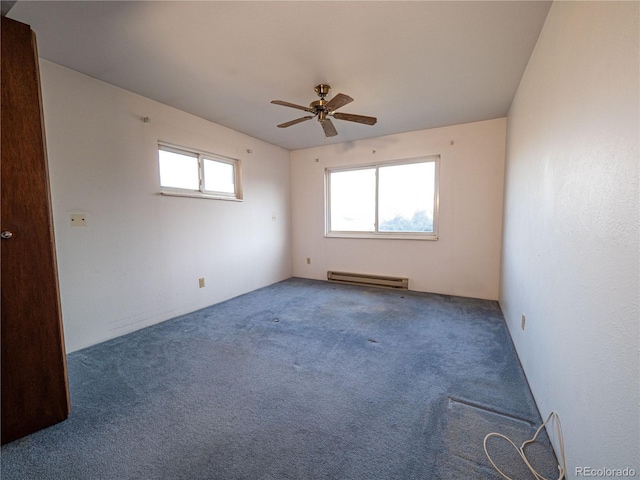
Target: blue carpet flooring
point(299, 380)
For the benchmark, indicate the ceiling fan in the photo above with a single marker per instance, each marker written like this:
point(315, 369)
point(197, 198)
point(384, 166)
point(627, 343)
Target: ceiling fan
point(324, 109)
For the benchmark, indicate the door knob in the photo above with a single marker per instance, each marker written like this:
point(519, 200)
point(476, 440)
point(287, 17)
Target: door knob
point(6, 234)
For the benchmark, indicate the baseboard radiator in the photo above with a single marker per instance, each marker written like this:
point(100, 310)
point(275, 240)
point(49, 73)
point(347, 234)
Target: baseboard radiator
point(381, 281)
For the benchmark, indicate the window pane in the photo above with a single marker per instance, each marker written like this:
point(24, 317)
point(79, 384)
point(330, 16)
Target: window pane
point(353, 198)
point(178, 171)
point(218, 177)
point(406, 196)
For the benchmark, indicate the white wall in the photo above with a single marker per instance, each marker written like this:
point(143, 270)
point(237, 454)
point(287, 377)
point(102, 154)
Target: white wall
point(138, 260)
point(570, 247)
point(465, 260)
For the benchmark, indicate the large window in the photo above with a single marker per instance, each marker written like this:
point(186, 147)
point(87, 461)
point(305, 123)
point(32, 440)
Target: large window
point(391, 200)
point(198, 174)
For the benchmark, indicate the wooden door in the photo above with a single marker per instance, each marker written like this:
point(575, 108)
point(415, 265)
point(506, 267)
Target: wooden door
point(34, 377)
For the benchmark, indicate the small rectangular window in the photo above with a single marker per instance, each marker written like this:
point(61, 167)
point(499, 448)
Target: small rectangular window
point(387, 200)
point(186, 172)
point(178, 170)
point(219, 176)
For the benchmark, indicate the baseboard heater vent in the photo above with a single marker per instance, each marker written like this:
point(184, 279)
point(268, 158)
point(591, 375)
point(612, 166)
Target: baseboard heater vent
point(382, 281)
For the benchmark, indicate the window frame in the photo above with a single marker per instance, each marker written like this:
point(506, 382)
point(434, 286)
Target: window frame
point(201, 156)
point(435, 159)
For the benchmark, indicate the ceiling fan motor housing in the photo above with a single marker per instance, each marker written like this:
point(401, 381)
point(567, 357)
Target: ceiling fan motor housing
point(318, 106)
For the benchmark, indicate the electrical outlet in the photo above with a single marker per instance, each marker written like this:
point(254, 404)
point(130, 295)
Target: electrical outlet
point(524, 321)
point(201, 282)
point(308, 261)
point(78, 220)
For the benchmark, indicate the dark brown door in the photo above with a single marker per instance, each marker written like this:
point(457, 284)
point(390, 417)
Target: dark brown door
point(34, 377)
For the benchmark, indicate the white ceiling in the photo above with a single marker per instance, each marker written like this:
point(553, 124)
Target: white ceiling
point(413, 65)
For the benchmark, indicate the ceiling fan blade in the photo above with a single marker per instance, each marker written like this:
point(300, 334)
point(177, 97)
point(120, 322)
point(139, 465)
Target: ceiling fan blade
point(292, 105)
point(329, 129)
point(293, 122)
point(349, 117)
point(340, 100)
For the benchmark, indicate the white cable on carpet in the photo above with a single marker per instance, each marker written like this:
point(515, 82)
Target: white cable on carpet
point(562, 468)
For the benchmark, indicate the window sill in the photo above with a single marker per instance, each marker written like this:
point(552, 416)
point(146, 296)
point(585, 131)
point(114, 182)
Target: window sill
point(383, 236)
point(200, 195)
